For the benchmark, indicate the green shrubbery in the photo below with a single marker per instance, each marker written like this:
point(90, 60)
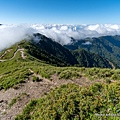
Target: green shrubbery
point(71, 102)
point(69, 74)
point(36, 79)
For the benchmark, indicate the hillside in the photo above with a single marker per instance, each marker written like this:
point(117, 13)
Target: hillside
point(106, 46)
point(43, 51)
point(87, 59)
point(25, 77)
point(72, 102)
point(49, 51)
point(55, 54)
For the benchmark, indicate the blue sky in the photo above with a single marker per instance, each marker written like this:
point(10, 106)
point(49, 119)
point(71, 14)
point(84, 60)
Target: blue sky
point(60, 11)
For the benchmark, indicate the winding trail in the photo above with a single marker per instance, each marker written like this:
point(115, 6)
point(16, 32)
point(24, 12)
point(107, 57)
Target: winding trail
point(3, 54)
point(22, 55)
point(113, 66)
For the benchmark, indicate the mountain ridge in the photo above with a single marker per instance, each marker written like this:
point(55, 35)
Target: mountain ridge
point(105, 46)
point(53, 53)
point(63, 55)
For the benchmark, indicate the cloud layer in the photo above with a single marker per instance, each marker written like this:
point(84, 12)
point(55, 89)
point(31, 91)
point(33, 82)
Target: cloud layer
point(10, 34)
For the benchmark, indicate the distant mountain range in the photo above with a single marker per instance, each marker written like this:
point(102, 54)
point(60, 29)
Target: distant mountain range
point(105, 46)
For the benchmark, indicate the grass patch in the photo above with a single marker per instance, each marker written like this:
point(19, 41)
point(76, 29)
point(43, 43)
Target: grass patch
point(71, 102)
point(36, 79)
point(67, 74)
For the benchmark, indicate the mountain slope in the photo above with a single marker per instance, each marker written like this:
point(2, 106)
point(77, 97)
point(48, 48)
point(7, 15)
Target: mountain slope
point(51, 52)
point(106, 46)
point(54, 53)
point(87, 59)
point(55, 49)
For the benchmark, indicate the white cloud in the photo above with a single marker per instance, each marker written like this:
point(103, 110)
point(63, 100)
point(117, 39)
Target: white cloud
point(10, 34)
point(87, 43)
point(78, 31)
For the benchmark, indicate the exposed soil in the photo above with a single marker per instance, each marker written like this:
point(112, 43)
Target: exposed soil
point(5, 53)
point(33, 90)
point(22, 55)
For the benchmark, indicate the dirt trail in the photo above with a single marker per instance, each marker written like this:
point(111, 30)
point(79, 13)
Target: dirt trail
point(33, 90)
point(113, 66)
point(22, 55)
point(5, 53)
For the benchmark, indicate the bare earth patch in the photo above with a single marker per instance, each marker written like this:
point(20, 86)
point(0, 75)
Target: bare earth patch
point(33, 90)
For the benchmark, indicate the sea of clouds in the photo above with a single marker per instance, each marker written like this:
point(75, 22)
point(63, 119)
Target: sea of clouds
point(10, 34)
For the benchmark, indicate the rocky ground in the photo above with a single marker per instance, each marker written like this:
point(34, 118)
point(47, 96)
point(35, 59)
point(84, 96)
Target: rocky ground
point(31, 90)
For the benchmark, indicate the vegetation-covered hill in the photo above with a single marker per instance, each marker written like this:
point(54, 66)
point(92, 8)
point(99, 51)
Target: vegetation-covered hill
point(47, 50)
point(87, 59)
point(53, 53)
point(55, 49)
point(106, 46)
